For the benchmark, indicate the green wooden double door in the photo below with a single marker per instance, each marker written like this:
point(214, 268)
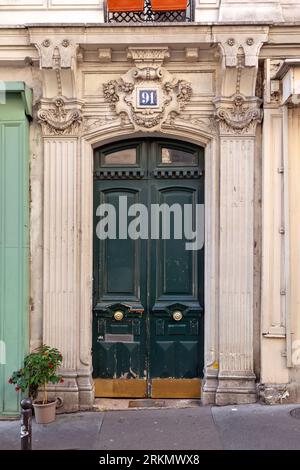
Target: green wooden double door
point(148, 272)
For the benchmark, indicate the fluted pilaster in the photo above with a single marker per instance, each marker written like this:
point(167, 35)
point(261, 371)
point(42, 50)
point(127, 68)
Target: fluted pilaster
point(236, 255)
point(60, 247)
point(237, 118)
point(60, 119)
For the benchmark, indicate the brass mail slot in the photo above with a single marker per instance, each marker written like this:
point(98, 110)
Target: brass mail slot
point(110, 338)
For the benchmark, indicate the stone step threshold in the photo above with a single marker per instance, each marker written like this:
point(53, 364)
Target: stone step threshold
point(111, 404)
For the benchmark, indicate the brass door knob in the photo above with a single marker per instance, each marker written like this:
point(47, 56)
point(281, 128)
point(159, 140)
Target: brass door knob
point(118, 315)
point(177, 315)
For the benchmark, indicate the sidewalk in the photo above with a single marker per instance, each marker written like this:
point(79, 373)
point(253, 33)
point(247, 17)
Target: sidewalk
point(196, 428)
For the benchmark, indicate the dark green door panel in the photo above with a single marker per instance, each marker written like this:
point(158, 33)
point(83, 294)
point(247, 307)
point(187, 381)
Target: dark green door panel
point(176, 359)
point(119, 259)
point(122, 360)
point(119, 347)
point(148, 280)
point(176, 285)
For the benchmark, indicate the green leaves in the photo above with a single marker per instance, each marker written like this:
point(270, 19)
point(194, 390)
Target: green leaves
point(40, 367)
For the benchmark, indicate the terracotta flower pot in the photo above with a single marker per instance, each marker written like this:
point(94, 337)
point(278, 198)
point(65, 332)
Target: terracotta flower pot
point(116, 6)
point(44, 414)
point(169, 5)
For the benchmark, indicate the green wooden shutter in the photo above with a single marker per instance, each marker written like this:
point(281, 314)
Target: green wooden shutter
point(15, 106)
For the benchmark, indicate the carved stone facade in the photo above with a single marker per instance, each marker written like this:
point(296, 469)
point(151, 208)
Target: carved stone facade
point(86, 82)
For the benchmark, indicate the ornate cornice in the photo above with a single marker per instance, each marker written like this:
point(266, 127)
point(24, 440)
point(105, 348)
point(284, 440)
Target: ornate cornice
point(60, 116)
point(238, 114)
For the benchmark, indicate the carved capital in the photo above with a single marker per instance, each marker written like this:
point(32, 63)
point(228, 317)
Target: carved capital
point(60, 116)
point(238, 114)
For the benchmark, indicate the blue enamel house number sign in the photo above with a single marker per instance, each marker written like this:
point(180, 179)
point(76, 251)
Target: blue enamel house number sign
point(147, 98)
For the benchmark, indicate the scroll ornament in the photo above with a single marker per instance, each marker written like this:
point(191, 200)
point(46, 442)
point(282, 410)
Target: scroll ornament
point(59, 116)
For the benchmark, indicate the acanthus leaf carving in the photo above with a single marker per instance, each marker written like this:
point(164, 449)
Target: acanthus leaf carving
point(207, 124)
point(238, 114)
point(59, 116)
point(91, 124)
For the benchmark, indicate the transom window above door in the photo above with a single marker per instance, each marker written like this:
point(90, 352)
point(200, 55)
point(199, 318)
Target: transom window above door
point(176, 156)
point(122, 157)
point(136, 156)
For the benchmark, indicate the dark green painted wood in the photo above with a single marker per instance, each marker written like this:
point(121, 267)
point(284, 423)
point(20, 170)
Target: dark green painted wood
point(156, 276)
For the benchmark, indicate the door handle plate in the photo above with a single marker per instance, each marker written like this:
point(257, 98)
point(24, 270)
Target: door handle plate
point(118, 315)
point(177, 315)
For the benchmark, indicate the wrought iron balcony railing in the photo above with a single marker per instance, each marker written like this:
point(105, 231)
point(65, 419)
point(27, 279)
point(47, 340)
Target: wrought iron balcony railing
point(150, 16)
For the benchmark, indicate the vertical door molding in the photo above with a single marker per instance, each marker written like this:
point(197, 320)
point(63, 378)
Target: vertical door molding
point(211, 273)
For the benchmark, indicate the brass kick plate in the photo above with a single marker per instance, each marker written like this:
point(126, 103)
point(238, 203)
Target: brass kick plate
point(176, 388)
point(120, 388)
point(137, 388)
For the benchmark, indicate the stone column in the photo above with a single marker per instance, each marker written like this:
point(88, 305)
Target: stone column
point(237, 114)
point(61, 118)
point(237, 117)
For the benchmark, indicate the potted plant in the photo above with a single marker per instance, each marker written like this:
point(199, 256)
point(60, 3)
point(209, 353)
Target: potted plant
point(40, 368)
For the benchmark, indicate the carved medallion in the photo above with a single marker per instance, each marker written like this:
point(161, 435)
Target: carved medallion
point(147, 93)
